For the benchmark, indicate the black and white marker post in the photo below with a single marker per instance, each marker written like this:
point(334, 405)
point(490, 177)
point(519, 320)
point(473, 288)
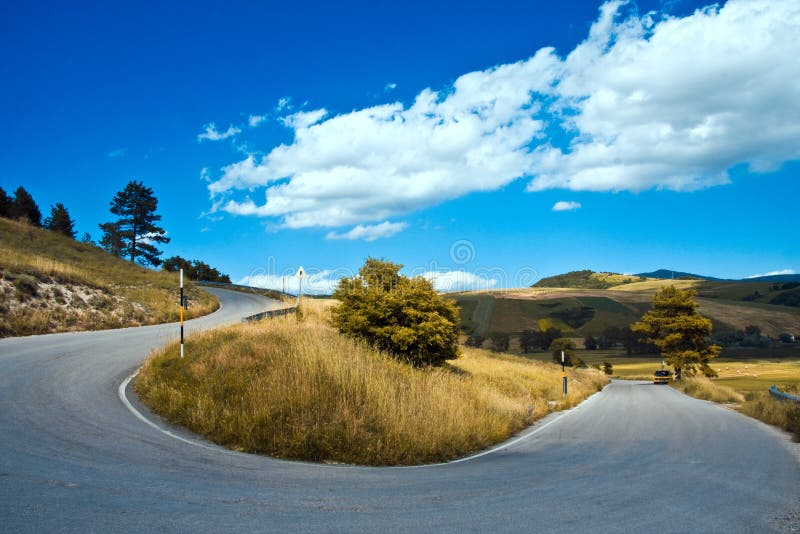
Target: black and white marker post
point(563, 373)
point(182, 305)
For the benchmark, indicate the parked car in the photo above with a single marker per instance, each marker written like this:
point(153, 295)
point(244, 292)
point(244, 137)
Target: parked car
point(662, 376)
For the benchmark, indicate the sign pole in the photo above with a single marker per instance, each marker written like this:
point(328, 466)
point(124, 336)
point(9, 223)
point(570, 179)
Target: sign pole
point(563, 374)
point(182, 305)
point(301, 273)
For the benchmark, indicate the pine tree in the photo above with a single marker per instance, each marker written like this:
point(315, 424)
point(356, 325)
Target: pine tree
point(136, 227)
point(60, 221)
point(679, 331)
point(24, 207)
point(111, 241)
point(5, 203)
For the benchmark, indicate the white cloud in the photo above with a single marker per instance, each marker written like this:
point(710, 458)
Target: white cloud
point(117, 152)
point(284, 104)
point(563, 205)
point(673, 103)
point(370, 232)
point(211, 133)
point(389, 87)
point(773, 273)
point(255, 120)
point(304, 119)
point(459, 281)
point(322, 282)
point(644, 102)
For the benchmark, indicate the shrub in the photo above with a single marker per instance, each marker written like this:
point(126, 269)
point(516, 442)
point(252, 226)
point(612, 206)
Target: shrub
point(500, 342)
point(475, 340)
point(608, 368)
point(404, 316)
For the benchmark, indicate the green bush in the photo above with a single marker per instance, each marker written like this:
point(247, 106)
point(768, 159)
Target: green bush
point(404, 316)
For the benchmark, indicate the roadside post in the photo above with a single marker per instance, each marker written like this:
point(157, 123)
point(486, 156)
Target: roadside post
point(301, 273)
point(182, 305)
point(563, 374)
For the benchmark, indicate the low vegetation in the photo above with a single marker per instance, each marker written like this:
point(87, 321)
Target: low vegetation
point(296, 388)
point(703, 388)
point(52, 283)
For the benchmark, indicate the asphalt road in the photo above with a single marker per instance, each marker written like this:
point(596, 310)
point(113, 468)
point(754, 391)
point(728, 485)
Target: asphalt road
point(633, 458)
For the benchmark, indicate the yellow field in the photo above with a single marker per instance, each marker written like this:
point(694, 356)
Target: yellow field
point(653, 285)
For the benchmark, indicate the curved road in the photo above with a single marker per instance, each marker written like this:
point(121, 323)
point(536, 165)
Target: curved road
point(634, 457)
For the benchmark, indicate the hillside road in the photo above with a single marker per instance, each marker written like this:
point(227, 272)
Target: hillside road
point(634, 457)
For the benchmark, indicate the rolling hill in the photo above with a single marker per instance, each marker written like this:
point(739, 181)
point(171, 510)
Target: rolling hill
point(580, 311)
point(51, 283)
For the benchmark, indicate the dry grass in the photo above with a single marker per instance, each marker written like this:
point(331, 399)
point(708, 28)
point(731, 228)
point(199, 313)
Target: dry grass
point(783, 414)
point(50, 283)
point(294, 388)
point(703, 388)
point(655, 284)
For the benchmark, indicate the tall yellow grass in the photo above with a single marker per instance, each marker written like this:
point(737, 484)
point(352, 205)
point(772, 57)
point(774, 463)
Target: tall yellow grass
point(703, 388)
point(295, 388)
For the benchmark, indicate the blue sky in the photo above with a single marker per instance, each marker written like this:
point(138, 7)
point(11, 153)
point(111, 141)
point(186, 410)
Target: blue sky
point(443, 136)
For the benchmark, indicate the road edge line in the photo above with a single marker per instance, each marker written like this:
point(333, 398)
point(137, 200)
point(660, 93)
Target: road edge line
point(533, 430)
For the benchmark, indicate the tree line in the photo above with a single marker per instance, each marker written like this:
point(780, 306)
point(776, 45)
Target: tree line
point(134, 234)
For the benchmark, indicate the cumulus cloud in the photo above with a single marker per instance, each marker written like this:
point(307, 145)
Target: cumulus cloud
point(673, 103)
point(563, 205)
point(211, 133)
point(645, 101)
point(370, 232)
point(390, 87)
point(304, 119)
point(773, 273)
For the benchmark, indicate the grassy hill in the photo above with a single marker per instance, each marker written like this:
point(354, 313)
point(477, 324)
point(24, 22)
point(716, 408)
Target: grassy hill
point(50, 283)
point(580, 312)
point(588, 279)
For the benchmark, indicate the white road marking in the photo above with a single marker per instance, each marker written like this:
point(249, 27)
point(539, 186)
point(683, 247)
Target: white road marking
point(124, 398)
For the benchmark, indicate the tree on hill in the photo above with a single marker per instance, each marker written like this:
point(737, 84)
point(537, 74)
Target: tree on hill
point(567, 346)
point(135, 232)
point(111, 241)
point(679, 332)
point(500, 342)
point(195, 270)
point(24, 207)
point(60, 221)
point(404, 316)
point(531, 340)
point(5, 203)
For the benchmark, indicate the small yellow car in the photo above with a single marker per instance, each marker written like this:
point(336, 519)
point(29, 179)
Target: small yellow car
point(662, 376)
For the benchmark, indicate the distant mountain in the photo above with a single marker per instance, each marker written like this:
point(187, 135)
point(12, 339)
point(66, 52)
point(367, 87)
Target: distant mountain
point(774, 278)
point(667, 274)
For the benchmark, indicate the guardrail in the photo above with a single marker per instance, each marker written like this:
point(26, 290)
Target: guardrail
point(249, 288)
point(268, 314)
point(780, 395)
